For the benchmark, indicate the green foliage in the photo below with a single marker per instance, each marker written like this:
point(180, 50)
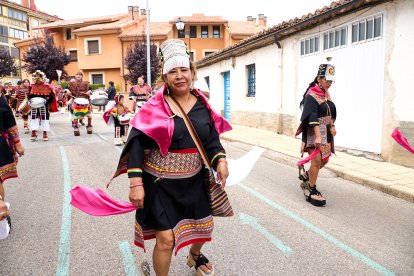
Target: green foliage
point(96, 86)
point(64, 84)
point(117, 87)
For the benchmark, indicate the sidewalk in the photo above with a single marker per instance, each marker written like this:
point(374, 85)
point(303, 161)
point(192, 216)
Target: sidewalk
point(386, 177)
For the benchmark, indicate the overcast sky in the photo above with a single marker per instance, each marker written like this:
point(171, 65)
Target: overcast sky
point(164, 10)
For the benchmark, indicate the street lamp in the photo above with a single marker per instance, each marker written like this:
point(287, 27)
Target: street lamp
point(180, 27)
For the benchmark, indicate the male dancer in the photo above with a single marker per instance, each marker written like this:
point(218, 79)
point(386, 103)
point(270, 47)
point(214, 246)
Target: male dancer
point(80, 89)
point(39, 116)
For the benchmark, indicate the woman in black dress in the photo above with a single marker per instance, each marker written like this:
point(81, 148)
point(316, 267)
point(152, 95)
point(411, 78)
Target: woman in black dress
point(318, 130)
point(9, 146)
point(165, 168)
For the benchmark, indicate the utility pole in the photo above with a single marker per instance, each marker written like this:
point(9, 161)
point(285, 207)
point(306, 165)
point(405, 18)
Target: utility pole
point(148, 47)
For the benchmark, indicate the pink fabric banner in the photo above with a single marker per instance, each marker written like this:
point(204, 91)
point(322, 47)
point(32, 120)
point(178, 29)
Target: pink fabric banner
point(309, 158)
point(400, 139)
point(97, 203)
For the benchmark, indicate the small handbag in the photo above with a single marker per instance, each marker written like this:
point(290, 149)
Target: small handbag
point(218, 199)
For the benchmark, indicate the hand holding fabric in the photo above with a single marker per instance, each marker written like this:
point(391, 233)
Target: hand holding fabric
point(222, 173)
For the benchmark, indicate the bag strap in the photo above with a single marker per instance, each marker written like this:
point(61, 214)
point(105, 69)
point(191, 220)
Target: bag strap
point(172, 102)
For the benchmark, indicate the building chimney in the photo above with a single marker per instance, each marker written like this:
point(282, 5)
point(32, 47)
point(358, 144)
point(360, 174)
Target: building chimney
point(130, 12)
point(262, 20)
point(25, 3)
point(135, 12)
point(32, 5)
point(143, 12)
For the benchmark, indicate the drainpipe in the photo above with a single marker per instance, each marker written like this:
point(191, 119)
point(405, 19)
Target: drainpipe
point(280, 67)
point(123, 66)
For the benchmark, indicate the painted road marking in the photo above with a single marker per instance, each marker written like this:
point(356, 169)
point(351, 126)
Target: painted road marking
point(64, 245)
point(361, 257)
point(253, 222)
point(101, 136)
point(128, 259)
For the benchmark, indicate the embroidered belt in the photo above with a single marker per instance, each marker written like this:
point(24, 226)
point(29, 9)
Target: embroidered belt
point(326, 120)
point(176, 164)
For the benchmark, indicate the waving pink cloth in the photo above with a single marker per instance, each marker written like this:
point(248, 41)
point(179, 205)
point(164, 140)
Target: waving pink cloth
point(97, 203)
point(309, 158)
point(400, 139)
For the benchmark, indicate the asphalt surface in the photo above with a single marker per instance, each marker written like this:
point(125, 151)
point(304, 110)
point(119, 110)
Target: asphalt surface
point(274, 230)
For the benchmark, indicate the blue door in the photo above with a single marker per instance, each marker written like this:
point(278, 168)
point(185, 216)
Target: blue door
point(226, 78)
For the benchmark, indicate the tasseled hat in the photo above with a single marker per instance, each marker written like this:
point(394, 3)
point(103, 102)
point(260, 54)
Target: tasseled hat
point(174, 53)
point(327, 70)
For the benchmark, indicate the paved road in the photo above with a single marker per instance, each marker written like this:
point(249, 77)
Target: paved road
point(274, 231)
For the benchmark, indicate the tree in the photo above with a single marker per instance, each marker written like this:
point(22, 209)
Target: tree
point(136, 62)
point(47, 58)
point(7, 64)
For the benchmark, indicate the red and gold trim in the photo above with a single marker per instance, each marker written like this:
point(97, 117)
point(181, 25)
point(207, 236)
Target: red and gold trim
point(186, 232)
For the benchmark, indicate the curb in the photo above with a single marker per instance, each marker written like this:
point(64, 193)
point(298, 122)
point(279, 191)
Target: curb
point(381, 185)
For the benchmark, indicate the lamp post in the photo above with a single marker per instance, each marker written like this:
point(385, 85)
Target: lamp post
point(180, 27)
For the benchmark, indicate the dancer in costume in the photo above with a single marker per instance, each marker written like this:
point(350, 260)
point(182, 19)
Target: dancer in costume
point(80, 92)
point(140, 93)
point(118, 114)
point(42, 101)
point(318, 130)
point(9, 146)
point(22, 94)
point(165, 168)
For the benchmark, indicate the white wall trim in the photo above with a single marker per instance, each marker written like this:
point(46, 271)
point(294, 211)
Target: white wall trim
point(86, 45)
point(97, 73)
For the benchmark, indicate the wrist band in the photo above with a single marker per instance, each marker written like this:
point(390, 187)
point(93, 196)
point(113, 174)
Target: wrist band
point(221, 160)
point(136, 185)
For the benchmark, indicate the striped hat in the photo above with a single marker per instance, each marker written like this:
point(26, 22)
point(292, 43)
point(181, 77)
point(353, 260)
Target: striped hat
point(173, 54)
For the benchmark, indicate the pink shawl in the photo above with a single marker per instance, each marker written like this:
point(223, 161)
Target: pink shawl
point(153, 119)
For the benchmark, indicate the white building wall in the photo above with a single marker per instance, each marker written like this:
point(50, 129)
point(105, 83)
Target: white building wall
point(268, 81)
point(374, 79)
point(400, 67)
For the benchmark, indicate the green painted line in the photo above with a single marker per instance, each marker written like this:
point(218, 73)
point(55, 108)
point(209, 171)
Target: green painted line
point(361, 257)
point(128, 259)
point(64, 244)
point(253, 222)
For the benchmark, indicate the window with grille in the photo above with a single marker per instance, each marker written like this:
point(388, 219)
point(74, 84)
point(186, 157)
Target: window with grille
point(251, 80)
point(193, 31)
point(4, 33)
point(335, 38)
point(18, 33)
point(204, 31)
point(93, 46)
point(216, 31)
point(12, 13)
point(68, 34)
point(367, 29)
point(73, 55)
point(97, 78)
point(309, 46)
point(14, 52)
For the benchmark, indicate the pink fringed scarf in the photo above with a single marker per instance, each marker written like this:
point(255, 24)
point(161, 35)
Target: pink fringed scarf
point(400, 139)
point(97, 203)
